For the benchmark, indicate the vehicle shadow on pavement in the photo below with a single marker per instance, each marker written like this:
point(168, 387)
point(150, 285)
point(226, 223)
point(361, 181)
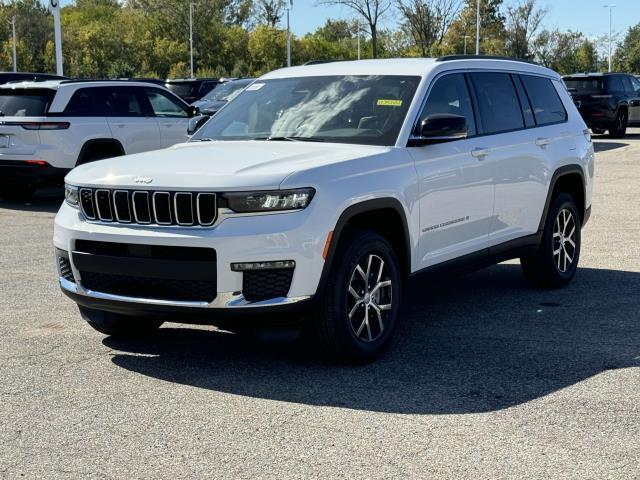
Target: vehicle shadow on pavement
point(45, 200)
point(607, 146)
point(477, 343)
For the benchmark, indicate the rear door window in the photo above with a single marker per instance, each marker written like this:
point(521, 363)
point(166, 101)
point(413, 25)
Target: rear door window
point(546, 103)
point(498, 102)
point(25, 102)
point(122, 102)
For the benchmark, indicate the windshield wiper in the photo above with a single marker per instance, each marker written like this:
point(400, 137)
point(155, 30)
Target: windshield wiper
point(291, 139)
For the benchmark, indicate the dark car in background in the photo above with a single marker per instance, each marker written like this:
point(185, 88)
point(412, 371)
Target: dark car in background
point(192, 89)
point(220, 96)
point(6, 77)
point(607, 101)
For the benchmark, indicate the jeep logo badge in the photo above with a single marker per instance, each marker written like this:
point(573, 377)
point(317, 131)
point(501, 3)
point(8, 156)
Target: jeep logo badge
point(141, 179)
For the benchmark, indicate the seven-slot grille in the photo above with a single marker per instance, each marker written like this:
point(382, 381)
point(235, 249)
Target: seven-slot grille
point(148, 207)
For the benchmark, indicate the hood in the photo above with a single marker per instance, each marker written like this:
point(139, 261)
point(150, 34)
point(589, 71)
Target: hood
point(227, 165)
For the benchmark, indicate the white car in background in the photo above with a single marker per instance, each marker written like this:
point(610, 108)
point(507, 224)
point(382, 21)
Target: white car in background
point(49, 127)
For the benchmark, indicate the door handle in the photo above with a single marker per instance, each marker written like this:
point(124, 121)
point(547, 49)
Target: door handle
point(119, 125)
point(543, 142)
point(480, 153)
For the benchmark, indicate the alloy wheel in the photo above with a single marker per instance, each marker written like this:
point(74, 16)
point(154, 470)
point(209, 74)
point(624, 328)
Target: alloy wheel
point(564, 240)
point(369, 298)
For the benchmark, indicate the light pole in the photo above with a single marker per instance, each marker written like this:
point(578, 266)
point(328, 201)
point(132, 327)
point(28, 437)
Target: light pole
point(12, 22)
point(191, 35)
point(54, 8)
point(465, 43)
point(358, 36)
point(610, 7)
point(289, 34)
point(477, 27)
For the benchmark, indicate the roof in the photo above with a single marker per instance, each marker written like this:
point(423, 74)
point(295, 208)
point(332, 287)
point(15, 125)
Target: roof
point(408, 67)
point(56, 84)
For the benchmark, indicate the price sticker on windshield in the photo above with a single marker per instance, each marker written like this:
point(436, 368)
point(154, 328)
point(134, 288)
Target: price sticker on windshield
point(255, 86)
point(389, 103)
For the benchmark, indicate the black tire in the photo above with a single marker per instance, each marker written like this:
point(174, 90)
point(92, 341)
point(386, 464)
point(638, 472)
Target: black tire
point(340, 338)
point(619, 127)
point(18, 192)
point(117, 325)
point(550, 267)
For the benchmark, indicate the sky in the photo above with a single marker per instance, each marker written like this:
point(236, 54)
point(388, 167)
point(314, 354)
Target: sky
point(587, 16)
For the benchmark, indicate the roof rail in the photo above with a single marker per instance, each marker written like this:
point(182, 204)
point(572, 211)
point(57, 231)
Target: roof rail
point(123, 80)
point(447, 58)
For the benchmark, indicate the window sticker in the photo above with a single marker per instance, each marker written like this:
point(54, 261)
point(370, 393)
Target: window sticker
point(255, 86)
point(389, 103)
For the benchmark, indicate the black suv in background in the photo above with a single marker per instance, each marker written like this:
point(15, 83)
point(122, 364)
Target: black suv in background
point(191, 89)
point(606, 101)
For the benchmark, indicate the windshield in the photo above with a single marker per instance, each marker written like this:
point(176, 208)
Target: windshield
point(25, 102)
point(366, 110)
point(226, 92)
point(585, 84)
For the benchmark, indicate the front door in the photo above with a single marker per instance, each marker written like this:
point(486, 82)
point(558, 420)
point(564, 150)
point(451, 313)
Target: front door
point(171, 114)
point(456, 185)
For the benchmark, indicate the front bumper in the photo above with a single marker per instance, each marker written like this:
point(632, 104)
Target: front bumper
point(235, 239)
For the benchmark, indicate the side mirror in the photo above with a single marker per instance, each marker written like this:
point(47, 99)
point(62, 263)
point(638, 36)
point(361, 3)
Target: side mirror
point(193, 111)
point(195, 123)
point(441, 127)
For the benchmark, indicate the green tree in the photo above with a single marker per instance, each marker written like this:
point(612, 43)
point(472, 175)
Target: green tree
point(492, 30)
point(627, 56)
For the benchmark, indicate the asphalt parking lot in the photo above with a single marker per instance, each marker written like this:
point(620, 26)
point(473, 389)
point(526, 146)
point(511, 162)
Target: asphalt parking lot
point(486, 378)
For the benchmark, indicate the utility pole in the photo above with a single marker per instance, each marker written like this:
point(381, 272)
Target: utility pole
point(610, 7)
point(191, 36)
point(12, 22)
point(54, 8)
point(477, 27)
point(289, 33)
point(465, 43)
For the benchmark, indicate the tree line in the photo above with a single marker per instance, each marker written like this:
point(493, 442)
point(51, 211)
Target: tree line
point(150, 38)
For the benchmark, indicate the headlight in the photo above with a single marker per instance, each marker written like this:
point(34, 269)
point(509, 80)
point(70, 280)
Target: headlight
point(269, 201)
point(71, 195)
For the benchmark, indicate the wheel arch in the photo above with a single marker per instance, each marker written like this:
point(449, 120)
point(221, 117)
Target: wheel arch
point(94, 142)
point(569, 179)
point(364, 215)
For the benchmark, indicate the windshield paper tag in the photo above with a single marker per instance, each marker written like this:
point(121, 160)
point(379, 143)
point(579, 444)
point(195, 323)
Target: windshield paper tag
point(389, 103)
point(255, 86)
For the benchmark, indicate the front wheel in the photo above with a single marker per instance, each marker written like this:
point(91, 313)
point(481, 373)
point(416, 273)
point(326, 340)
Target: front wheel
point(360, 305)
point(556, 261)
point(117, 325)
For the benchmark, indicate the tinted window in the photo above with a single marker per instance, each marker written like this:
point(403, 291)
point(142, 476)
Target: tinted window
point(614, 84)
point(627, 84)
point(635, 84)
point(547, 106)
point(164, 105)
point(498, 102)
point(82, 103)
point(30, 102)
point(584, 84)
point(527, 111)
point(122, 102)
point(450, 95)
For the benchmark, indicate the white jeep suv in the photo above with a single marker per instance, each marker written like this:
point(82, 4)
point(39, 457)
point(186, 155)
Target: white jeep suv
point(49, 127)
point(320, 189)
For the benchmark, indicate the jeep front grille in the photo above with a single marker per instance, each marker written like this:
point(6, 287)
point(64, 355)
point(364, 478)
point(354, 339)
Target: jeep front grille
point(146, 207)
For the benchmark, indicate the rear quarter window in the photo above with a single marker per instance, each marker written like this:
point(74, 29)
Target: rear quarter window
point(545, 101)
point(26, 102)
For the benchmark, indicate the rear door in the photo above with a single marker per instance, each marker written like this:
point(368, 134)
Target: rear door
point(130, 122)
point(171, 114)
point(517, 162)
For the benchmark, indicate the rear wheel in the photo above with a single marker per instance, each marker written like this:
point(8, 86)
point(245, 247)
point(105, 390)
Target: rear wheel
point(619, 128)
point(99, 152)
point(556, 261)
point(358, 314)
point(18, 192)
point(118, 325)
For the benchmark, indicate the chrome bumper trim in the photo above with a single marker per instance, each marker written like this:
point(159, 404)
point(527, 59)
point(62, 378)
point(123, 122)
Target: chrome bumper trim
point(229, 300)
